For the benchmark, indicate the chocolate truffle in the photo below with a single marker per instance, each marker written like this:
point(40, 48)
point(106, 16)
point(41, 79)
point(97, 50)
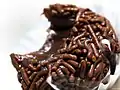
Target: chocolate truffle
point(88, 52)
point(82, 50)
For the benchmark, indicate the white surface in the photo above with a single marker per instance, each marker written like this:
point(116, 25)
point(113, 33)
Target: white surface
point(18, 17)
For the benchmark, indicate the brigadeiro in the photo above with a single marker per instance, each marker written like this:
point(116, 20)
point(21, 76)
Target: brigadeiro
point(80, 49)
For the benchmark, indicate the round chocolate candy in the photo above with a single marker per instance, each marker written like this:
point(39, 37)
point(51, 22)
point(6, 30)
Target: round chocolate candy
point(85, 57)
point(78, 56)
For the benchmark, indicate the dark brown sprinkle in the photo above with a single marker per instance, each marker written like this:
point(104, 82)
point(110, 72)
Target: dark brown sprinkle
point(41, 73)
point(98, 27)
point(94, 50)
point(38, 66)
point(63, 50)
point(73, 63)
point(65, 70)
point(32, 67)
point(25, 76)
point(83, 21)
point(68, 56)
point(91, 71)
point(70, 68)
point(65, 42)
point(97, 76)
point(44, 62)
point(70, 44)
point(58, 8)
point(14, 61)
point(98, 19)
point(80, 43)
point(72, 48)
point(98, 61)
point(109, 25)
point(105, 33)
point(56, 64)
point(90, 51)
point(32, 76)
point(110, 33)
point(24, 86)
point(82, 68)
point(39, 82)
point(79, 36)
point(94, 36)
point(82, 38)
point(99, 68)
point(78, 15)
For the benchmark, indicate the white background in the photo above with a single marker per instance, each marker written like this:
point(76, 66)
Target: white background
point(17, 17)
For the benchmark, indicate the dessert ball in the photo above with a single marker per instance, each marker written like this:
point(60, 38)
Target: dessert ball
point(89, 51)
point(78, 55)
